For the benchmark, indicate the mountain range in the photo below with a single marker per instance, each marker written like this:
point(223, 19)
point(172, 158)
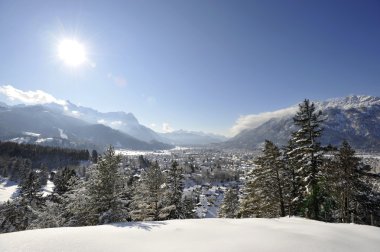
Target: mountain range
point(69, 125)
point(353, 118)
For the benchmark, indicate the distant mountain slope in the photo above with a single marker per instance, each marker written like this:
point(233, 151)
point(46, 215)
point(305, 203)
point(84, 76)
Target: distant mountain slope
point(128, 123)
point(125, 122)
point(354, 118)
point(42, 125)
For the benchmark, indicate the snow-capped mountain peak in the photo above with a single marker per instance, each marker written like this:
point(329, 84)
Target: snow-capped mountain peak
point(354, 118)
point(349, 102)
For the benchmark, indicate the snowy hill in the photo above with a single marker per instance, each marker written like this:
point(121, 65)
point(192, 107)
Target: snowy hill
point(222, 235)
point(354, 118)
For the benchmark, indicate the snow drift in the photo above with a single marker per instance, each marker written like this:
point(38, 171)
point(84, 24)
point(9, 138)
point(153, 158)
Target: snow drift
point(284, 234)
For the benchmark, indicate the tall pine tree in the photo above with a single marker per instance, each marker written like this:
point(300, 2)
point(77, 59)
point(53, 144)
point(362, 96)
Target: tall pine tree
point(308, 153)
point(148, 199)
point(104, 188)
point(174, 190)
point(352, 188)
point(264, 194)
point(230, 205)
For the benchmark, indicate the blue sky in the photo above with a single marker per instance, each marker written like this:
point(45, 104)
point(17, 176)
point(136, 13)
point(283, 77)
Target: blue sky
point(195, 65)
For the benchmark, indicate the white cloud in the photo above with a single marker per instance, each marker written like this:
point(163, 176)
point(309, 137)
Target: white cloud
point(102, 121)
point(152, 125)
point(166, 128)
point(113, 124)
point(118, 80)
point(29, 97)
point(116, 123)
point(255, 120)
point(75, 113)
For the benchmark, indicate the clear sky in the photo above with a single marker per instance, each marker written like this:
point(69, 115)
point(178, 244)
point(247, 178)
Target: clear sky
point(195, 65)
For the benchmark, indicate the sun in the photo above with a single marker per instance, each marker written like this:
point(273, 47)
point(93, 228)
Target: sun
point(72, 52)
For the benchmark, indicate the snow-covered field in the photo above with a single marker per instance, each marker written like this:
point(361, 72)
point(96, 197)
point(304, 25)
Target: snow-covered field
point(8, 189)
point(237, 235)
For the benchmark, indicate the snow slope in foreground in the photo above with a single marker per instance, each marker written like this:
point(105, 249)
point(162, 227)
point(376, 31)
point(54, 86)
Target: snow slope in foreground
point(237, 235)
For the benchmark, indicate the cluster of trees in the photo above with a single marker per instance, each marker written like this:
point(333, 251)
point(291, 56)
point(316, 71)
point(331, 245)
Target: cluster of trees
point(37, 152)
point(309, 180)
point(109, 193)
point(18, 160)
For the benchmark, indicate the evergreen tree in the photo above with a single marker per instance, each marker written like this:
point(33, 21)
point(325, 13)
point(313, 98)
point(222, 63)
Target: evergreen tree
point(351, 187)
point(43, 174)
point(174, 189)
point(31, 190)
point(267, 181)
point(94, 156)
point(309, 155)
point(15, 216)
point(230, 205)
point(21, 212)
point(148, 197)
point(104, 187)
point(188, 207)
point(251, 205)
point(48, 215)
point(293, 179)
point(61, 180)
point(77, 204)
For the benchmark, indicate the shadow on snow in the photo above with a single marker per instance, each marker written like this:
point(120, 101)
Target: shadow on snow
point(148, 225)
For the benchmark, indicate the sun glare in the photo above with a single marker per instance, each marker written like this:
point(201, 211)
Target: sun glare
point(71, 52)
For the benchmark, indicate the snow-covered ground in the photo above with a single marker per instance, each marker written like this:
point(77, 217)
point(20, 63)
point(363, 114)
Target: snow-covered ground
point(8, 189)
point(285, 235)
point(48, 188)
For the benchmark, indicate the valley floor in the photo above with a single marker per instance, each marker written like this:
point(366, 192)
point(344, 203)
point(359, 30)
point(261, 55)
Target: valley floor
point(222, 235)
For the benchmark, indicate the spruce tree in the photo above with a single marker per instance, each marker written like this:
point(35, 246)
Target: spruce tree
point(15, 216)
point(251, 205)
point(149, 195)
point(188, 207)
point(77, 204)
point(31, 190)
point(309, 155)
point(352, 187)
point(61, 180)
point(230, 205)
point(174, 190)
point(264, 192)
point(104, 187)
point(94, 156)
point(293, 179)
point(22, 211)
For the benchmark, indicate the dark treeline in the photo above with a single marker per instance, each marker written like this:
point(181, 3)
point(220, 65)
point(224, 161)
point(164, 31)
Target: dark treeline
point(17, 160)
point(309, 180)
point(43, 154)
